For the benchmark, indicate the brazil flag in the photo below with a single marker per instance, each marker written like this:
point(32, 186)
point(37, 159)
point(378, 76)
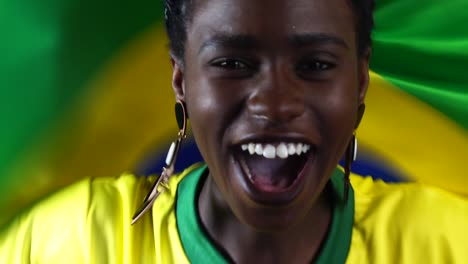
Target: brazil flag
point(85, 92)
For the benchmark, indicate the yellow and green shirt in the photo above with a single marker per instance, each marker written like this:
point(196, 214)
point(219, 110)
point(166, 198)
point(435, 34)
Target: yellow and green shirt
point(90, 222)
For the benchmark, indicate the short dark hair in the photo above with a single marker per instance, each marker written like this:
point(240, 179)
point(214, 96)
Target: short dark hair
point(177, 15)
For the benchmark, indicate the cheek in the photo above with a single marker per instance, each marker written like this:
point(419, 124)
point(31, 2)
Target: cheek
point(210, 106)
point(340, 118)
point(201, 102)
point(339, 111)
point(202, 109)
point(211, 103)
point(336, 110)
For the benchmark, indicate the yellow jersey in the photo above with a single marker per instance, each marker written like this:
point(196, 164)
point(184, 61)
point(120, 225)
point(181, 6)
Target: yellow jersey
point(90, 222)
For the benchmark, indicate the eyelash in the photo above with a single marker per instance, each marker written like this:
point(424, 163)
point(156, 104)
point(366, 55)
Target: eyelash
point(318, 65)
point(230, 64)
point(306, 68)
point(233, 68)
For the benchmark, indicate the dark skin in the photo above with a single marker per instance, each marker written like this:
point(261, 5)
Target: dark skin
point(276, 70)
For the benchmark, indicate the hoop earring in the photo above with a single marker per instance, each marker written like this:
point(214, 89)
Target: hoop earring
point(350, 157)
point(162, 183)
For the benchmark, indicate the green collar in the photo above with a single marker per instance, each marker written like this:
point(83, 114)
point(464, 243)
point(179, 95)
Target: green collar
point(199, 248)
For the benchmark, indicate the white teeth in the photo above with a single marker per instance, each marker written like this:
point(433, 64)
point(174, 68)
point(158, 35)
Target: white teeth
point(251, 148)
point(291, 149)
point(269, 152)
point(259, 149)
point(299, 149)
point(282, 151)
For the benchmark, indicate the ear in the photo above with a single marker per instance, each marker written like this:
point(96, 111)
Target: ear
point(178, 84)
point(363, 84)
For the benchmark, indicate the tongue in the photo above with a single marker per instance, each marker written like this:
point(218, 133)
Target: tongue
point(273, 174)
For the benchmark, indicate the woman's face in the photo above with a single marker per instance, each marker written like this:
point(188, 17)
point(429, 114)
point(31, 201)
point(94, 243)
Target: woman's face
point(272, 90)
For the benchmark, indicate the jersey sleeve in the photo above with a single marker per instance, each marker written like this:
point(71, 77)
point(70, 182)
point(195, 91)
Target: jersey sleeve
point(88, 222)
point(408, 223)
point(52, 231)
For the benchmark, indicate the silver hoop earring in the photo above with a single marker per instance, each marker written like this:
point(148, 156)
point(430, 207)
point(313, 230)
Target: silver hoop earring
point(162, 183)
point(355, 148)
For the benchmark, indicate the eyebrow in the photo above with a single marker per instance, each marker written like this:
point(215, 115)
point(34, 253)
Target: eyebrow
point(245, 41)
point(240, 41)
point(315, 39)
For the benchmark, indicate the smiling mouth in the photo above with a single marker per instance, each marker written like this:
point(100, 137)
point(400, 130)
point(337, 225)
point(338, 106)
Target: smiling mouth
point(274, 167)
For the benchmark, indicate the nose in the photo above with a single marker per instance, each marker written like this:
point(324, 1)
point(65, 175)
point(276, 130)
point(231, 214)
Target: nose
point(277, 99)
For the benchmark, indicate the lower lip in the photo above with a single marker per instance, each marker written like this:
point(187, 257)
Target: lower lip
point(271, 195)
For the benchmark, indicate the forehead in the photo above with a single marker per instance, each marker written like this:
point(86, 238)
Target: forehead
point(272, 19)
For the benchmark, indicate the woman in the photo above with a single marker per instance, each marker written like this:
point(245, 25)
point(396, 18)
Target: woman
point(274, 91)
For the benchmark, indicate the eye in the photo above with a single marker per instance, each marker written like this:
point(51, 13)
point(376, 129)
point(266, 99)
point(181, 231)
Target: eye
point(315, 69)
point(230, 64)
point(314, 66)
point(233, 67)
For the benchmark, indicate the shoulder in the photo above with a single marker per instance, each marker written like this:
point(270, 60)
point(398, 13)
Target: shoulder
point(68, 222)
point(410, 220)
point(412, 200)
point(92, 198)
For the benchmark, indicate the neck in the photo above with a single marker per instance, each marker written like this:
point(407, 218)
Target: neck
point(298, 244)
